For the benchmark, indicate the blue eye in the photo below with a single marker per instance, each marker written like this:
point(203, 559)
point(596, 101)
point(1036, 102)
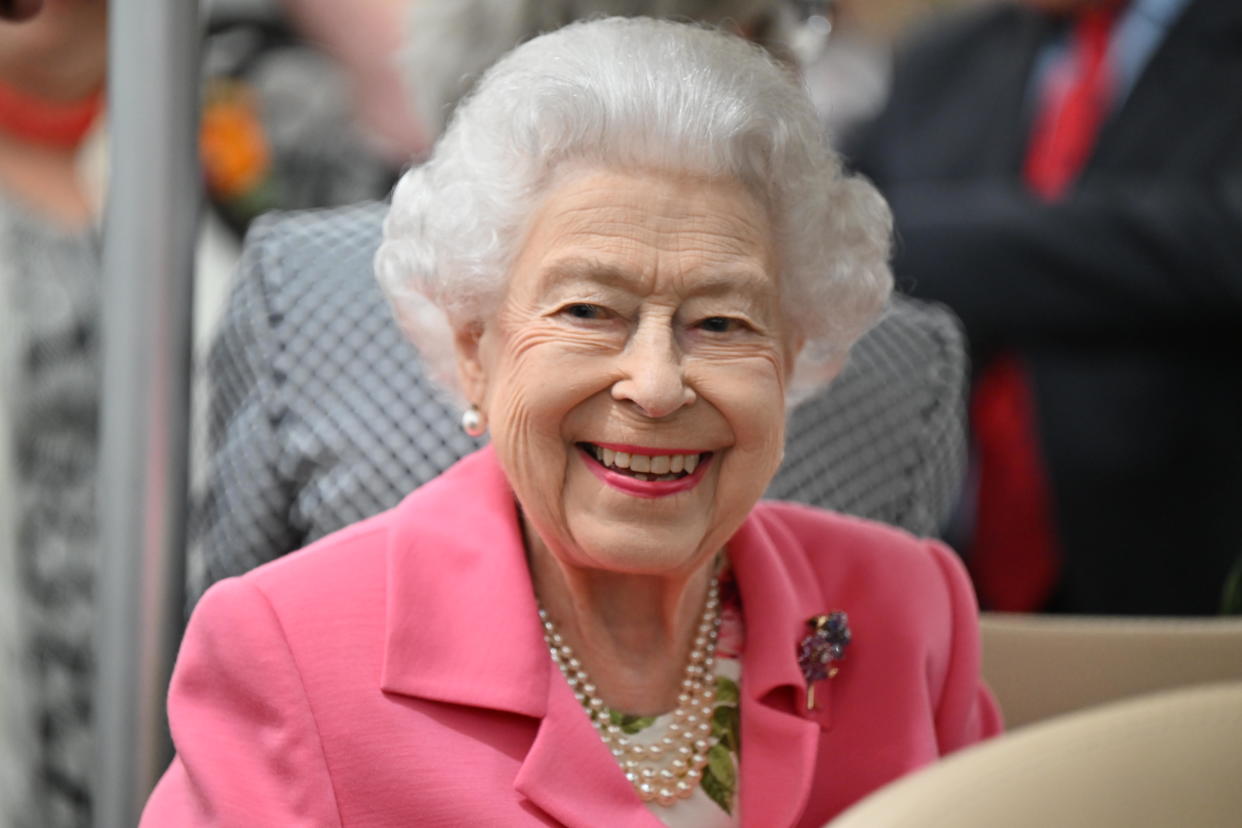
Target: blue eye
point(584, 310)
point(718, 324)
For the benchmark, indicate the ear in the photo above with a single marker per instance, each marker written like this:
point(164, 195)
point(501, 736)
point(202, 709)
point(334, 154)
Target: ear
point(468, 340)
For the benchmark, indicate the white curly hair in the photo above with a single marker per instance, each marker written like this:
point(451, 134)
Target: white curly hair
point(633, 94)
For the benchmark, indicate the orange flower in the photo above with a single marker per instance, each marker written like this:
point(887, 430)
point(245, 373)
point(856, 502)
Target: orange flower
point(232, 146)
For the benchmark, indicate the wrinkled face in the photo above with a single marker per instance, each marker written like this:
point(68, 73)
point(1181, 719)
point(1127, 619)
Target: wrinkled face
point(634, 375)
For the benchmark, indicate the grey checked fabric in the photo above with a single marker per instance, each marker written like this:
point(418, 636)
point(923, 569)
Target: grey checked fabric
point(320, 414)
point(49, 367)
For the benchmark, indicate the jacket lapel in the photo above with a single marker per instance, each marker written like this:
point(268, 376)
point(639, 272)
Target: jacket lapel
point(463, 628)
point(780, 738)
point(462, 625)
point(1184, 74)
point(571, 775)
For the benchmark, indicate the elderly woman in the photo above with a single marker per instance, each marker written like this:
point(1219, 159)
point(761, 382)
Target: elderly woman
point(628, 252)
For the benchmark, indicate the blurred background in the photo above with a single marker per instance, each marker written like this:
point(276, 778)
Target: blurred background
point(1065, 176)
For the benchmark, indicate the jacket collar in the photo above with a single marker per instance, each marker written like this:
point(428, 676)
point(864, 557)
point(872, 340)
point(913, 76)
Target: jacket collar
point(462, 623)
point(780, 737)
point(462, 628)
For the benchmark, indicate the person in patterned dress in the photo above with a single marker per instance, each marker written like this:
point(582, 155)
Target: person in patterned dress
point(52, 71)
point(629, 252)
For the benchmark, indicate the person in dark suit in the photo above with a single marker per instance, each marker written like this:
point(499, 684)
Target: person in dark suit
point(1117, 289)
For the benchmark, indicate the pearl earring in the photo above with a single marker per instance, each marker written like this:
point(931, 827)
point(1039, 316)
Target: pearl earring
point(472, 421)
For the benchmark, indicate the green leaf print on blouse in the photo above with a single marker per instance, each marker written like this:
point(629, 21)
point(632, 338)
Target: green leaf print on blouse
point(720, 775)
point(630, 724)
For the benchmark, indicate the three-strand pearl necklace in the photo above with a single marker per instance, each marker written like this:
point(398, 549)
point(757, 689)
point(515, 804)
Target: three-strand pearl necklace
point(670, 768)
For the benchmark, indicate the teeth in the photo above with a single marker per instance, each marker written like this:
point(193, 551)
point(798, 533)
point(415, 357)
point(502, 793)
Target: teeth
point(646, 466)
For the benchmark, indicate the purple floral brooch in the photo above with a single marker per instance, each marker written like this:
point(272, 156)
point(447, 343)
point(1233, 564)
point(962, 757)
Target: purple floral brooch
point(821, 651)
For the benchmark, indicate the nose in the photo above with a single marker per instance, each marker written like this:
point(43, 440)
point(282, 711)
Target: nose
point(653, 376)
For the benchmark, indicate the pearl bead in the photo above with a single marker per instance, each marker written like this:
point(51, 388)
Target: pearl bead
point(647, 773)
point(702, 746)
point(646, 790)
point(679, 766)
point(683, 788)
point(665, 796)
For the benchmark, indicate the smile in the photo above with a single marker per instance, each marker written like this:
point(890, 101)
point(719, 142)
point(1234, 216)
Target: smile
point(640, 472)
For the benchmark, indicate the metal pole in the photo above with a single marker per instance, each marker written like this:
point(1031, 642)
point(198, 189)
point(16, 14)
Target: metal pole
point(149, 232)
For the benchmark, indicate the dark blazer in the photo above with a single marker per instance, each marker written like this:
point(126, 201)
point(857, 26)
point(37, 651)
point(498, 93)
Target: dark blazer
point(321, 415)
point(1124, 298)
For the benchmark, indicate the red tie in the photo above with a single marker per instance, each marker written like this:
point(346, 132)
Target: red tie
point(1014, 555)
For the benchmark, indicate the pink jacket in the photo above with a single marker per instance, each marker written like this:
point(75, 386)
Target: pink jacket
point(395, 674)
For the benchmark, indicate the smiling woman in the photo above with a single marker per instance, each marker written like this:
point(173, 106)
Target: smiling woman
point(628, 252)
point(667, 359)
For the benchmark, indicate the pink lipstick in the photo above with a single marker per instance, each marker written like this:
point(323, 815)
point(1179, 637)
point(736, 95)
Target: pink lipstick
point(644, 488)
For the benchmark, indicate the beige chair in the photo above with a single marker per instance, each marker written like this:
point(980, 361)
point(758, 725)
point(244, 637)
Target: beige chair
point(1169, 760)
point(1043, 665)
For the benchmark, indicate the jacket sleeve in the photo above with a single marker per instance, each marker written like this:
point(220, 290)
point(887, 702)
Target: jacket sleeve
point(1116, 257)
point(248, 749)
point(966, 711)
point(242, 514)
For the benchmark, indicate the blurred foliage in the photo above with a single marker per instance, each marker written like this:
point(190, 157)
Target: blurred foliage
point(1231, 597)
